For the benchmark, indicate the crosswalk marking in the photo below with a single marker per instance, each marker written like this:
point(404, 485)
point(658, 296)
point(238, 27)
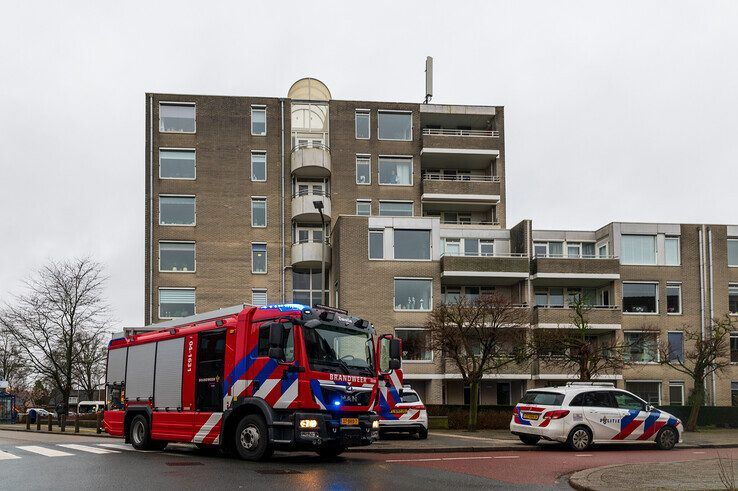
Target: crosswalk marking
point(85, 448)
point(46, 452)
point(116, 446)
point(7, 456)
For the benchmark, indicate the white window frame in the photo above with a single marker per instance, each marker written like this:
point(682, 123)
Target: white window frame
point(266, 214)
point(394, 294)
point(679, 249)
point(194, 250)
point(158, 299)
point(364, 157)
point(658, 306)
point(730, 239)
point(259, 291)
point(311, 234)
point(266, 258)
point(430, 244)
point(656, 347)
point(412, 206)
point(369, 244)
point(731, 285)
point(680, 384)
point(396, 111)
point(365, 202)
point(408, 158)
point(257, 107)
point(600, 245)
point(194, 204)
point(578, 245)
point(368, 114)
point(266, 165)
point(176, 149)
point(432, 354)
point(455, 240)
point(655, 250)
point(666, 291)
point(175, 103)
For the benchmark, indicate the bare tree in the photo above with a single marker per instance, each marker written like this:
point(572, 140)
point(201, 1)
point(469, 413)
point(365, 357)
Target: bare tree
point(479, 336)
point(13, 366)
point(90, 367)
point(704, 354)
point(62, 301)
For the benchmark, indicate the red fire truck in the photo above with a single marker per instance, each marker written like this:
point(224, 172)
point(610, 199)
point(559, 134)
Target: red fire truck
point(251, 380)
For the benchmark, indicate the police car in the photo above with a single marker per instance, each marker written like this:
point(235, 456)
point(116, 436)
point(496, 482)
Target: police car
point(581, 414)
point(407, 416)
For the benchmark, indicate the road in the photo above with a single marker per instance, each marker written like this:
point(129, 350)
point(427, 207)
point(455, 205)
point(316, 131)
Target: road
point(34, 461)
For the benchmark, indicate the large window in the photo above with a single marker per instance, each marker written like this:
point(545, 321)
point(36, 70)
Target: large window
point(176, 118)
point(413, 294)
point(176, 210)
point(671, 251)
point(395, 209)
point(641, 347)
point(363, 207)
point(415, 344)
point(176, 302)
point(676, 393)
point(306, 287)
point(258, 166)
point(640, 298)
point(673, 298)
point(177, 257)
point(176, 164)
point(258, 212)
point(732, 252)
point(412, 244)
point(376, 244)
point(648, 391)
point(550, 297)
point(676, 346)
point(258, 121)
point(638, 249)
point(733, 299)
point(549, 249)
point(259, 258)
point(363, 169)
point(362, 125)
point(395, 170)
point(395, 125)
point(734, 347)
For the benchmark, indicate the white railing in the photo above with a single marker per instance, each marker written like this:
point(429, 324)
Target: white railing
point(484, 254)
point(593, 307)
point(470, 222)
point(437, 176)
point(456, 132)
point(311, 192)
point(565, 256)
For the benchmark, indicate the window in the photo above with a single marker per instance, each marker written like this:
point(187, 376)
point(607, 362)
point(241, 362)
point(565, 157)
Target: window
point(734, 347)
point(540, 398)
point(602, 252)
point(376, 244)
point(363, 169)
point(452, 247)
point(573, 249)
point(548, 249)
point(600, 398)
point(640, 298)
point(624, 400)
point(671, 251)
point(734, 393)
point(486, 248)
point(395, 125)
point(412, 244)
point(732, 252)
point(362, 125)
point(176, 302)
point(408, 397)
point(177, 257)
point(176, 164)
point(395, 170)
point(363, 207)
point(676, 393)
point(638, 249)
point(395, 209)
point(676, 346)
point(413, 294)
point(176, 118)
point(259, 258)
point(258, 166)
point(648, 391)
point(733, 299)
point(640, 347)
point(306, 287)
point(588, 249)
point(550, 297)
point(258, 121)
point(414, 344)
point(503, 394)
point(308, 234)
point(258, 212)
point(288, 346)
point(177, 210)
point(673, 299)
point(258, 296)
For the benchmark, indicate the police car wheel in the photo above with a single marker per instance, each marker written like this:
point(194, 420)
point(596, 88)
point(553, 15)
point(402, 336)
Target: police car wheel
point(580, 438)
point(529, 439)
point(667, 438)
point(252, 438)
point(423, 434)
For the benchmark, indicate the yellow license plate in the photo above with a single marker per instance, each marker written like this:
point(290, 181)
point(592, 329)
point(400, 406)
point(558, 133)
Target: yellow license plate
point(350, 421)
point(398, 411)
point(531, 416)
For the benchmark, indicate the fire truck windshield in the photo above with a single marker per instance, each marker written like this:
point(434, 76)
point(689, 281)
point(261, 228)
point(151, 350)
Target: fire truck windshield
point(339, 349)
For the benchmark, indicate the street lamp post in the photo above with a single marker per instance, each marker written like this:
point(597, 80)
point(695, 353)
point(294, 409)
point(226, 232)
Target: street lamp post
point(318, 204)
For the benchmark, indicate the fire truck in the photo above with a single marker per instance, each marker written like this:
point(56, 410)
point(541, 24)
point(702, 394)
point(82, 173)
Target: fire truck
point(251, 380)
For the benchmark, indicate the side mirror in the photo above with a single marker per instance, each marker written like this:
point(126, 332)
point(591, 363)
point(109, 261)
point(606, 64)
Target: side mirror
point(394, 364)
point(395, 349)
point(276, 353)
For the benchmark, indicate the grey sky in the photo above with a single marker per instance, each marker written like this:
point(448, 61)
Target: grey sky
point(614, 110)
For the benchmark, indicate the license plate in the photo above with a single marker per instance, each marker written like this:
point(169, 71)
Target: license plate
point(531, 416)
point(350, 421)
point(398, 411)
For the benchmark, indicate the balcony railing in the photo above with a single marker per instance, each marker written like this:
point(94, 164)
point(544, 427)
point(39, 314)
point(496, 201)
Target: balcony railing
point(580, 256)
point(456, 132)
point(311, 192)
point(311, 144)
point(437, 176)
point(468, 222)
point(593, 307)
point(484, 254)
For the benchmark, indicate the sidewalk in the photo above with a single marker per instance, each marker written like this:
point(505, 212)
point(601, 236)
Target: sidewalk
point(69, 430)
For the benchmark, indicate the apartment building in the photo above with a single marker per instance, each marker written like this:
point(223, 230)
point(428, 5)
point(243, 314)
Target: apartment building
point(402, 205)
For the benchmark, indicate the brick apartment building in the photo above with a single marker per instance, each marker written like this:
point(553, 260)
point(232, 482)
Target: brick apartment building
point(413, 199)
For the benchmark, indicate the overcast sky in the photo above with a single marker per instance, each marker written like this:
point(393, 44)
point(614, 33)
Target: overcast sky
point(614, 110)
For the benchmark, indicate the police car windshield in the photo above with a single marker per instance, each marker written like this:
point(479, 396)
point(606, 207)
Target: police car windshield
point(543, 398)
point(339, 349)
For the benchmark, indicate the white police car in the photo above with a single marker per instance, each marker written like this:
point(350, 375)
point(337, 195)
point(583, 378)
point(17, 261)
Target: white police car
point(580, 414)
point(408, 415)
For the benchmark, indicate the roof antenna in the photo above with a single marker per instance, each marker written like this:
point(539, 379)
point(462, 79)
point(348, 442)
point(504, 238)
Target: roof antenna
point(428, 79)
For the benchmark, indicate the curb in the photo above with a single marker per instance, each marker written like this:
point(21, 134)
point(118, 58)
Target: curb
point(501, 448)
point(66, 433)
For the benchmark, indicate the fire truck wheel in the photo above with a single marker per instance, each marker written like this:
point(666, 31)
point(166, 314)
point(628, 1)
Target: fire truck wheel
point(330, 452)
point(141, 435)
point(252, 438)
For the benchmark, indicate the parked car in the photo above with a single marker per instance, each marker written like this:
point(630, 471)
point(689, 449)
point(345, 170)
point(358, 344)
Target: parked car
point(90, 407)
point(407, 416)
point(582, 414)
point(37, 412)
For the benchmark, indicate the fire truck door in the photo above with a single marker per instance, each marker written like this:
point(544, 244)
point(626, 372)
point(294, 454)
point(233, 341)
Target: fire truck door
point(209, 371)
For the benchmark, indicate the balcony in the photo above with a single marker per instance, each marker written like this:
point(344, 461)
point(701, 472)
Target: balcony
point(459, 132)
point(307, 254)
point(498, 269)
point(466, 187)
point(574, 271)
point(605, 317)
point(303, 209)
point(311, 159)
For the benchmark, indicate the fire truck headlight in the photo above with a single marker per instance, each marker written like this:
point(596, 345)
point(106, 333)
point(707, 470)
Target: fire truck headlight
point(375, 424)
point(308, 423)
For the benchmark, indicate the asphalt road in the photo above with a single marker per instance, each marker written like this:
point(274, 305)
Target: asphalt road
point(36, 461)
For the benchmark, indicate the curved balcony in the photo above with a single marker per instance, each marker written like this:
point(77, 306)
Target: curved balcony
point(307, 254)
point(311, 159)
point(303, 207)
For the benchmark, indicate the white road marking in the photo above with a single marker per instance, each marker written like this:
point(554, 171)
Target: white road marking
point(413, 460)
point(439, 459)
point(507, 457)
point(466, 458)
point(699, 452)
point(46, 452)
point(85, 448)
point(465, 437)
point(584, 455)
point(116, 446)
point(7, 456)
